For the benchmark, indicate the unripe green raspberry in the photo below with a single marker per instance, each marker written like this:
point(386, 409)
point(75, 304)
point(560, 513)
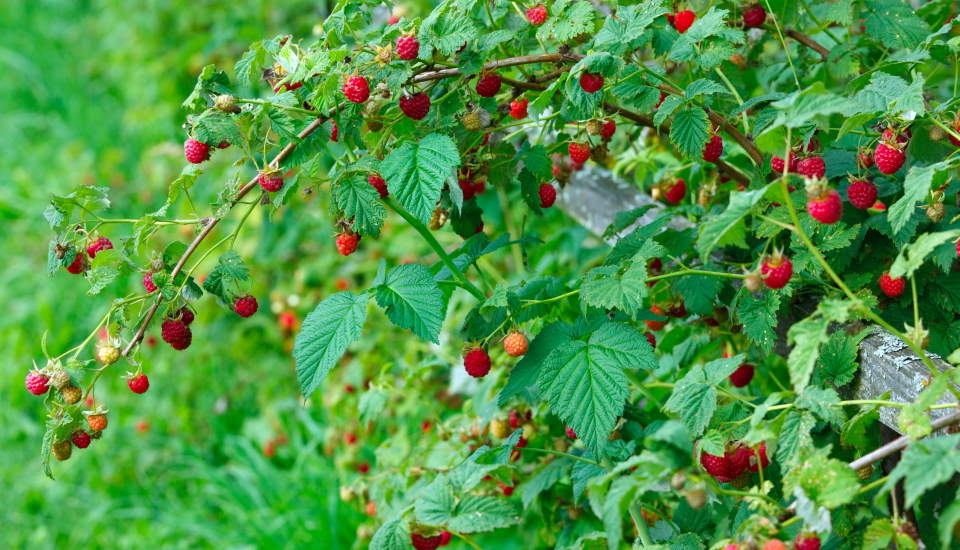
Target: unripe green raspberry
point(226, 103)
point(71, 394)
point(108, 355)
point(59, 379)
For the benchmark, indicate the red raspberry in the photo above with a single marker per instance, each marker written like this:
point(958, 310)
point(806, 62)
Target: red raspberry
point(176, 333)
point(186, 315)
point(579, 152)
point(80, 439)
point(537, 15)
point(408, 47)
point(36, 382)
point(466, 187)
point(958, 248)
point(195, 151)
point(861, 193)
point(742, 376)
point(445, 538)
point(608, 129)
point(570, 433)
point(507, 490)
point(271, 180)
point(683, 20)
point(416, 106)
point(393, 20)
point(777, 164)
point(654, 324)
point(901, 137)
point(518, 108)
point(139, 383)
point(78, 265)
point(889, 157)
point(334, 132)
point(713, 149)
point(477, 363)
point(890, 286)
point(515, 344)
point(738, 460)
point(350, 438)
point(812, 167)
point(347, 243)
point(148, 283)
point(379, 184)
point(421, 542)
point(675, 193)
point(102, 243)
point(245, 306)
point(864, 158)
point(806, 542)
point(548, 195)
point(777, 270)
point(651, 339)
point(223, 144)
point(825, 207)
point(591, 82)
point(363, 467)
point(488, 85)
point(356, 89)
point(678, 311)
point(758, 458)
point(956, 128)
point(716, 466)
point(754, 16)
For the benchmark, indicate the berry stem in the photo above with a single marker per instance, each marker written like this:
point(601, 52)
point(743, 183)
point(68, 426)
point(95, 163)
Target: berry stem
point(558, 453)
point(432, 241)
point(742, 494)
point(783, 42)
point(469, 541)
point(636, 514)
point(290, 108)
point(736, 95)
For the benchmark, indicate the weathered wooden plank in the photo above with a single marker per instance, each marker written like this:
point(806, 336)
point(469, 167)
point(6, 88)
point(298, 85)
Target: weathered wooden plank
point(594, 196)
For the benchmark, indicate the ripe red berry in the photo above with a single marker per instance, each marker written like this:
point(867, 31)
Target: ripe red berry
point(223, 144)
point(176, 333)
point(467, 188)
point(80, 439)
point(350, 438)
point(777, 164)
point(379, 184)
point(864, 158)
point(408, 47)
point(548, 195)
point(195, 151)
point(421, 542)
point(812, 167)
point(347, 243)
point(677, 311)
point(608, 129)
point(742, 376)
point(890, 286)
point(148, 283)
point(591, 82)
point(955, 126)
point(825, 207)
point(78, 265)
point(579, 152)
point(363, 467)
point(518, 108)
point(861, 193)
point(245, 306)
point(477, 363)
point(139, 383)
point(515, 344)
point(186, 315)
point(651, 339)
point(738, 459)
point(271, 180)
point(758, 458)
point(102, 243)
point(754, 16)
point(570, 433)
point(97, 422)
point(415, 106)
point(777, 270)
point(36, 382)
point(356, 89)
point(334, 131)
point(806, 542)
point(537, 15)
point(445, 538)
point(716, 466)
point(654, 324)
point(488, 85)
point(675, 193)
point(393, 20)
point(683, 20)
point(713, 149)
point(889, 157)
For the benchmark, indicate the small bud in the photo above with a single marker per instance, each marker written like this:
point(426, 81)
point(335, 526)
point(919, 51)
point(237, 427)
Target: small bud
point(226, 103)
point(696, 497)
point(678, 480)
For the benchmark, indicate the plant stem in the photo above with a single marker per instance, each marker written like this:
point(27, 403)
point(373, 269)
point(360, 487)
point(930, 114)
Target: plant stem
point(279, 106)
point(558, 453)
point(641, 524)
point(528, 303)
point(696, 272)
point(432, 241)
point(469, 542)
point(736, 95)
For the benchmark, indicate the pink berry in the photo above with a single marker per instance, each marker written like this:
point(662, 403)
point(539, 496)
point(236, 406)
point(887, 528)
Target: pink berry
point(195, 151)
point(139, 383)
point(36, 382)
point(245, 306)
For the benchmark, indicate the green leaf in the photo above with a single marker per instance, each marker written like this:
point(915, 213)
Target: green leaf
point(838, 358)
point(416, 171)
point(568, 20)
point(712, 23)
point(630, 23)
point(794, 435)
point(827, 481)
point(607, 288)
point(477, 514)
point(670, 104)
point(699, 292)
point(392, 535)
point(758, 315)
point(892, 95)
point(325, 335)
point(807, 336)
point(249, 65)
point(447, 29)
point(800, 108)
point(543, 480)
point(694, 397)
point(894, 24)
point(435, 503)
point(823, 403)
point(727, 227)
point(530, 190)
point(912, 256)
point(925, 464)
point(524, 374)
point(229, 269)
point(360, 202)
point(878, 535)
point(413, 300)
point(915, 188)
point(948, 518)
point(690, 131)
point(704, 86)
point(215, 127)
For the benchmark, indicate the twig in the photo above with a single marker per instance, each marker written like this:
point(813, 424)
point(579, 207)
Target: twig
point(808, 42)
point(900, 443)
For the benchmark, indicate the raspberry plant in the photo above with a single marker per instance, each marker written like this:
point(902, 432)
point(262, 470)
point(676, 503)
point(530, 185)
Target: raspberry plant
point(687, 387)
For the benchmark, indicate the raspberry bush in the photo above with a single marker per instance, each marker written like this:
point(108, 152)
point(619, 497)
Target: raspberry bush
point(687, 386)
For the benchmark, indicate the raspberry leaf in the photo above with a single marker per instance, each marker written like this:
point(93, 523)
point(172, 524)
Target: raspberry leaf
point(827, 481)
point(529, 190)
point(758, 314)
point(690, 131)
point(413, 300)
point(325, 335)
point(894, 24)
point(916, 186)
point(618, 33)
point(546, 478)
point(476, 514)
point(568, 19)
point(446, 29)
point(214, 127)
point(230, 269)
point(358, 200)
point(794, 435)
point(729, 228)
point(912, 256)
point(807, 336)
point(523, 377)
point(392, 535)
point(606, 287)
point(416, 171)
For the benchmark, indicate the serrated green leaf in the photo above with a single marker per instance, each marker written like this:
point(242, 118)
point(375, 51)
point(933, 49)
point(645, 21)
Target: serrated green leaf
point(807, 336)
point(477, 514)
point(416, 171)
point(630, 23)
point(607, 288)
point(894, 24)
point(917, 184)
point(758, 315)
point(325, 335)
point(924, 465)
point(690, 131)
point(827, 481)
point(722, 229)
point(568, 20)
point(229, 269)
point(794, 435)
point(912, 256)
point(412, 300)
point(358, 200)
